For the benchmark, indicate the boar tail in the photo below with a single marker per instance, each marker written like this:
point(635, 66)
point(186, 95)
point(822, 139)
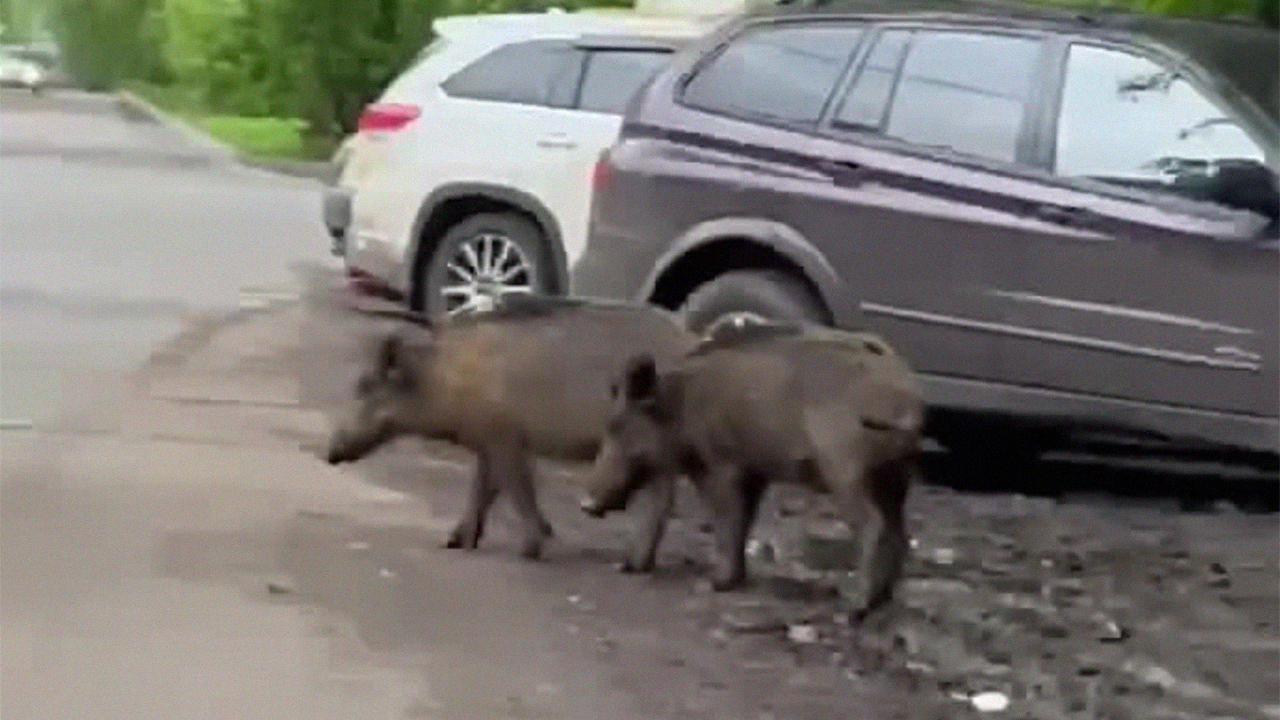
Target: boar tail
point(876, 424)
point(907, 421)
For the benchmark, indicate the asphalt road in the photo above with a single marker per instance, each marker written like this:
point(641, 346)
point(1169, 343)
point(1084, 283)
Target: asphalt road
point(113, 233)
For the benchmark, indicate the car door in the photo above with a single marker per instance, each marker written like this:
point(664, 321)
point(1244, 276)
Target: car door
point(513, 112)
point(1161, 297)
point(924, 151)
point(611, 75)
point(719, 149)
point(479, 124)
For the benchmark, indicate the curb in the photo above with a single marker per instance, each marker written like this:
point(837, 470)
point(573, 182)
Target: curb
point(138, 108)
point(321, 170)
point(133, 106)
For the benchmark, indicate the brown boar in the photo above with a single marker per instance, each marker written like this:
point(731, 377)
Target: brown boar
point(838, 412)
point(528, 378)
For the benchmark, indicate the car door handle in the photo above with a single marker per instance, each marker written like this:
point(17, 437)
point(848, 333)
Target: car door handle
point(1060, 214)
point(843, 172)
point(557, 141)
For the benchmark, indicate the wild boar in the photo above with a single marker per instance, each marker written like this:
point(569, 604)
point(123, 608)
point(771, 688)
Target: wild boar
point(839, 412)
point(527, 378)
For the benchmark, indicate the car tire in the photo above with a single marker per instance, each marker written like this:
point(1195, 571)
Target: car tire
point(519, 238)
point(769, 294)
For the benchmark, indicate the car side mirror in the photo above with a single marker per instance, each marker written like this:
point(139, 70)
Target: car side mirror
point(1247, 185)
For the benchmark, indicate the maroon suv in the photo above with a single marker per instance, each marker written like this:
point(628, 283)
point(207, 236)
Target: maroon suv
point(1063, 220)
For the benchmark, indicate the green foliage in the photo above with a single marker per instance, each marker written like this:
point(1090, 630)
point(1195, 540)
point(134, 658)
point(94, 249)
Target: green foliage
point(341, 53)
point(261, 136)
point(18, 18)
point(105, 41)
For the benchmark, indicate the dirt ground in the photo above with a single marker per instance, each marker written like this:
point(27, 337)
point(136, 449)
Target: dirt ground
point(1065, 589)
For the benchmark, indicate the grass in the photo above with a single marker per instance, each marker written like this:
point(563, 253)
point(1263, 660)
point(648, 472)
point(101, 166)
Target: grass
point(267, 137)
point(274, 138)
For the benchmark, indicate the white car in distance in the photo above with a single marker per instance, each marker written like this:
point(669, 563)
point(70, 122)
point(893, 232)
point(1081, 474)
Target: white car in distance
point(470, 177)
point(20, 72)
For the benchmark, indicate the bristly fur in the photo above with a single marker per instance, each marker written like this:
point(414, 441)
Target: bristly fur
point(730, 335)
point(522, 306)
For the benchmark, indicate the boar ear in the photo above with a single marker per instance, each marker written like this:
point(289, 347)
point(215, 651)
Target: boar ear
point(641, 378)
point(398, 361)
point(390, 352)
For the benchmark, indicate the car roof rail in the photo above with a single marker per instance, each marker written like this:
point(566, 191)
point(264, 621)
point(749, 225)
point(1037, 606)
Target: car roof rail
point(1088, 12)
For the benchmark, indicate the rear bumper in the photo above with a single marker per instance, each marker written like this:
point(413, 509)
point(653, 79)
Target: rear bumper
point(336, 213)
point(610, 268)
point(374, 266)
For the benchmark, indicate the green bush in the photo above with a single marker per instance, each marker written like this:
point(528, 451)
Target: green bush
point(261, 136)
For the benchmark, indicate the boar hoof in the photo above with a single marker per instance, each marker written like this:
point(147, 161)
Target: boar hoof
point(462, 537)
point(531, 549)
point(630, 566)
point(858, 616)
point(726, 584)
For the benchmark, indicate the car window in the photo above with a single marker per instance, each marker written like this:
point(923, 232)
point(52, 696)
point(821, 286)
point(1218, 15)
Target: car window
point(865, 104)
point(1127, 120)
point(777, 73)
point(519, 73)
point(613, 76)
point(964, 91)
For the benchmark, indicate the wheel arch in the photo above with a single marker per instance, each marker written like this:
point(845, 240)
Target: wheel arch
point(449, 204)
point(717, 246)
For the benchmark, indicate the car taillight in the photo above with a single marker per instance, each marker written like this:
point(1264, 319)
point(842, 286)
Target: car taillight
point(601, 173)
point(386, 117)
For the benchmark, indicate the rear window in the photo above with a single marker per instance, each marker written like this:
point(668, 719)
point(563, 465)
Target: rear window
point(612, 77)
point(782, 74)
point(959, 90)
point(524, 72)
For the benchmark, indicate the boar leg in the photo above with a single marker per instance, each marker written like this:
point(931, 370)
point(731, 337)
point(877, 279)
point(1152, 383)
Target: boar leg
point(877, 506)
point(735, 498)
point(643, 553)
point(484, 489)
point(887, 554)
point(513, 464)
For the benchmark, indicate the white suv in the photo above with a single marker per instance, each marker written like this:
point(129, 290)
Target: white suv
point(471, 176)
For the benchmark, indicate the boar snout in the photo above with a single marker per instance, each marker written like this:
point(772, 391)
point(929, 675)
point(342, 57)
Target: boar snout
point(346, 446)
point(603, 496)
point(592, 507)
point(338, 451)
point(608, 495)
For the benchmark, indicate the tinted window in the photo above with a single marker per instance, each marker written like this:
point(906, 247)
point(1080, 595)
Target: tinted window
point(1127, 120)
point(958, 90)
point(868, 97)
point(613, 76)
point(520, 73)
point(780, 73)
